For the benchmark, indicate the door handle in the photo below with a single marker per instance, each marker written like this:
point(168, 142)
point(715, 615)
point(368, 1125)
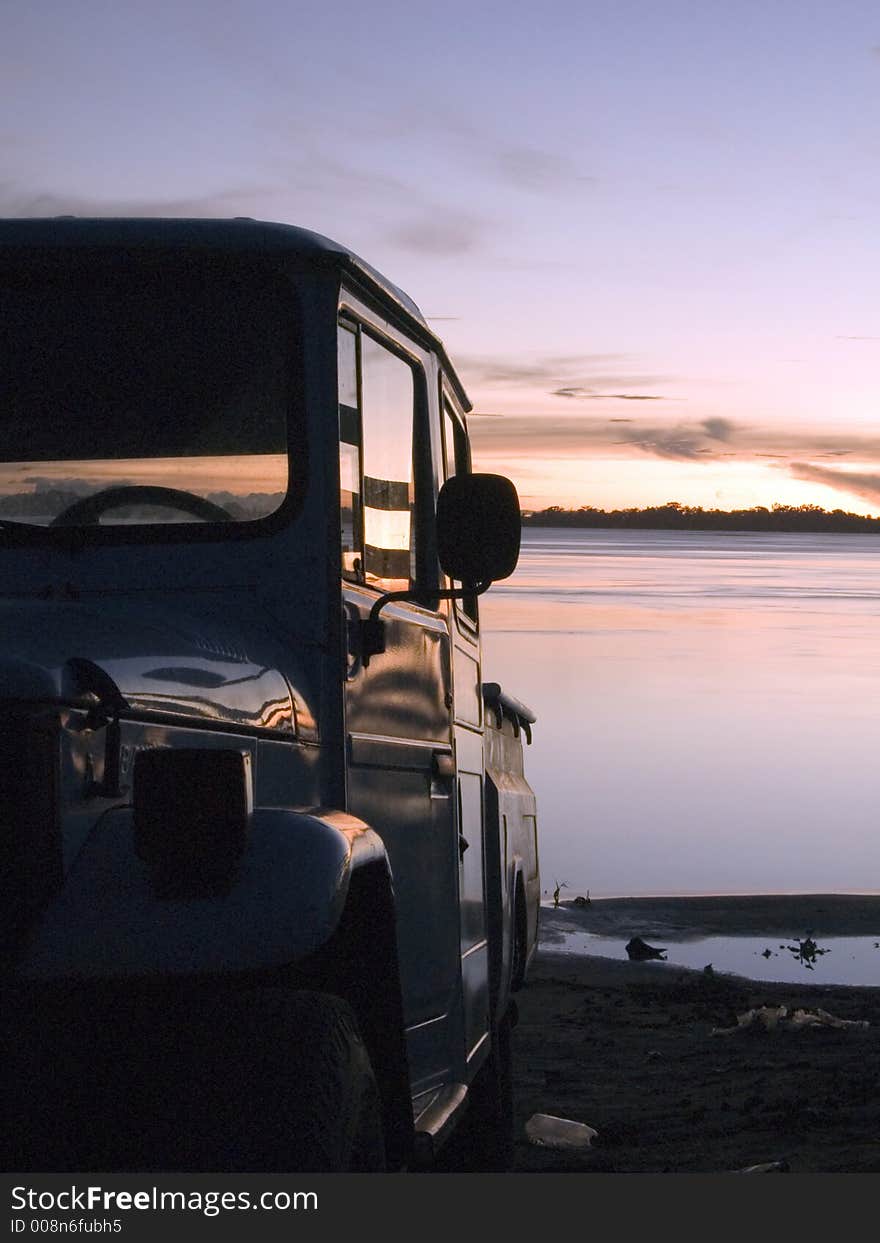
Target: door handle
point(463, 845)
point(442, 764)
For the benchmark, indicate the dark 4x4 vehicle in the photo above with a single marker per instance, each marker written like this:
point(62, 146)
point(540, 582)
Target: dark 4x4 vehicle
point(269, 873)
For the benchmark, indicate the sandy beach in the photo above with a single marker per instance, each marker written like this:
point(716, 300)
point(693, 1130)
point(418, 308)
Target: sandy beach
point(630, 1047)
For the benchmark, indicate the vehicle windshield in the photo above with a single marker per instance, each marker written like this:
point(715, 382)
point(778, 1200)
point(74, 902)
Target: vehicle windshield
point(143, 390)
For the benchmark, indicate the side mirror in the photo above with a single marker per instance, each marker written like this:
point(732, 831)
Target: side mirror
point(478, 533)
point(478, 528)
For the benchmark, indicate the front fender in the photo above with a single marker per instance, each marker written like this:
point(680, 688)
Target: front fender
point(108, 922)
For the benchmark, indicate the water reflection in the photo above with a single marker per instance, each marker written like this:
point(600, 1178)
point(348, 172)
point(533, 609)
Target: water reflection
point(707, 707)
point(839, 960)
point(807, 952)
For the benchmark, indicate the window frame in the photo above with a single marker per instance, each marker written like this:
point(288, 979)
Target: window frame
point(427, 568)
point(451, 412)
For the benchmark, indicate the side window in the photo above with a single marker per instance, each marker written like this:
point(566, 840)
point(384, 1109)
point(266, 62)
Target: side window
point(376, 418)
point(456, 453)
point(350, 456)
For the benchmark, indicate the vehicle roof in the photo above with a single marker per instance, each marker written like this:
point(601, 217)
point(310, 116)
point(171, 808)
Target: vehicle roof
point(239, 233)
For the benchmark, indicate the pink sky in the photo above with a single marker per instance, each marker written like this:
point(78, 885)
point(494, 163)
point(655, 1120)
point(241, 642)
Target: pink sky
point(647, 233)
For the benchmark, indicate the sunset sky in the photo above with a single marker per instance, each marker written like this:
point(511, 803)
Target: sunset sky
point(645, 229)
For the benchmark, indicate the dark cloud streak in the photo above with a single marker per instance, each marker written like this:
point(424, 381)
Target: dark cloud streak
point(856, 483)
point(582, 394)
point(709, 439)
point(574, 378)
point(538, 170)
point(439, 233)
point(15, 201)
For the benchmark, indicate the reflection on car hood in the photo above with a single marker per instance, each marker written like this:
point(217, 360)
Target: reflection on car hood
point(165, 659)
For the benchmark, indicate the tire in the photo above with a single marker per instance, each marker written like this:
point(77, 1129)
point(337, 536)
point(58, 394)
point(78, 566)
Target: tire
point(310, 1102)
point(485, 1141)
point(518, 963)
point(264, 1080)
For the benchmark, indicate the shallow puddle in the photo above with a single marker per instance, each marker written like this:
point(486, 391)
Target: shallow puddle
point(837, 960)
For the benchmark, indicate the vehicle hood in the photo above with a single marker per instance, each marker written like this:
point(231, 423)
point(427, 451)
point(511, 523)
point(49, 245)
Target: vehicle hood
point(213, 663)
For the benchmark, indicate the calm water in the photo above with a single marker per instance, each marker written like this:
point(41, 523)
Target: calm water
point(842, 960)
point(708, 708)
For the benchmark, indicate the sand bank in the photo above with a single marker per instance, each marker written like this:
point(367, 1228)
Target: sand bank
point(789, 915)
point(629, 1049)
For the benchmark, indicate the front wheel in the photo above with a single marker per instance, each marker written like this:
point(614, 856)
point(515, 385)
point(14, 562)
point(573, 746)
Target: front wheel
point(258, 1080)
point(309, 1102)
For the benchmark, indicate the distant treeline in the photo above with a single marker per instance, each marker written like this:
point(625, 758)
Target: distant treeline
point(676, 517)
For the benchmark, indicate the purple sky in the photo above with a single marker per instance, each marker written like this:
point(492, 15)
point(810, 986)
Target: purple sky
point(646, 231)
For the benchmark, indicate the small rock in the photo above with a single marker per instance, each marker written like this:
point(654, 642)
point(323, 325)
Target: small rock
point(640, 950)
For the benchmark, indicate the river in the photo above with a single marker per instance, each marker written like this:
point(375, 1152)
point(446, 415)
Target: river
point(708, 708)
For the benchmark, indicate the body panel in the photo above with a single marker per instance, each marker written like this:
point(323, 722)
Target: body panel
point(380, 863)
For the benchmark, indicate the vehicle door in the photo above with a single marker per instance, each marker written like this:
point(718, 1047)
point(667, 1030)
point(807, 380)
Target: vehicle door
point(400, 771)
point(468, 738)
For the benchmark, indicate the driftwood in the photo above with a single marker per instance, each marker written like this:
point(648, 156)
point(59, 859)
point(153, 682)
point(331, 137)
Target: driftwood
point(773, 1018)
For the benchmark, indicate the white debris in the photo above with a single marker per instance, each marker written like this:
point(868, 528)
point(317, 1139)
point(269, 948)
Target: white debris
point(766, 1167)
point(771, 1018)
point(821, 1018)
point(547, 1131)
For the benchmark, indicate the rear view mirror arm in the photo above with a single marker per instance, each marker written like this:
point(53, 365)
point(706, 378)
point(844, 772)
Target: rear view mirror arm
point(372, 628)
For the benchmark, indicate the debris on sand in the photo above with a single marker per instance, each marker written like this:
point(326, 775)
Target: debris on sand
point(806, 951)
point(766, 1167)
point(773, 1018)
point(640, 950)
point(821, 1018)
point(547, 1131)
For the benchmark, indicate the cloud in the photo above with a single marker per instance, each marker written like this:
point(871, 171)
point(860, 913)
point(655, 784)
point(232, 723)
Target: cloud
point(583, 394)
point(573, 435)
point(399, 211)
point(536, 169)
point(856, 339)
point(16, 201)
point(718, 429)
point(407, 211)
point(439, 232)
point(318, 176)
point(427, 227)
point(682, 442)
point(492, 369)
point(573, 377)
point(472, 150)
point(857, 483)
point(709, 439)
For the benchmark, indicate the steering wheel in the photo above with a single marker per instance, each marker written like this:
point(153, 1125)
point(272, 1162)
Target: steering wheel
point(87, 510)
